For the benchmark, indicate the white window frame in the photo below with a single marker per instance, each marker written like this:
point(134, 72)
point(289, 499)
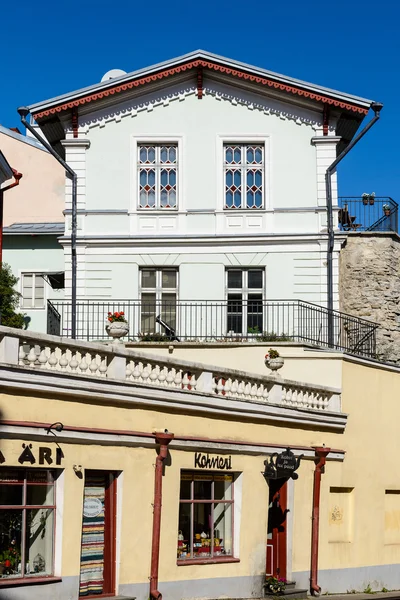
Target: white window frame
point(244, 167)
point(21, 286)
point(158, 140)
point(158, 290)
point(241, 139)
point(245, 291)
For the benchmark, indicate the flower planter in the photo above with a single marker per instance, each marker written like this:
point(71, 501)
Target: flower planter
point(372, 201)
point(365, 201)
point(117, 329)
point(275, 363)
point(387, 213)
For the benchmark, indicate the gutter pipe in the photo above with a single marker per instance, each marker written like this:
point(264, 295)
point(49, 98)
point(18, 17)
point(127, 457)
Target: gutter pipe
point(24, 112)
point(163, 439)
point(376, 107)
point(321, 454)
point(17, 176)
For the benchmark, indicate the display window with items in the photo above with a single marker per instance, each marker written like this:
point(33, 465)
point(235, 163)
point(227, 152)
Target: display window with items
point(27, 520)
point(206, 514)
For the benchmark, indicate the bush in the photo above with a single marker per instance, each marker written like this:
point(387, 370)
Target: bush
point(9, 299)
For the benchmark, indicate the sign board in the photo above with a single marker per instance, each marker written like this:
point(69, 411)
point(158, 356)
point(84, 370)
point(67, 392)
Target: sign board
point(282, 466)
point(205, 461)
point(92, 507)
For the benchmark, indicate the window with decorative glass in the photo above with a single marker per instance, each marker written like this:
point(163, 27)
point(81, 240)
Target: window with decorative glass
point(27, 519)
point(159, 292)
point(206, 509)
point(245, 300)
point(157, 175)
point(33, 291)
point(244, 176)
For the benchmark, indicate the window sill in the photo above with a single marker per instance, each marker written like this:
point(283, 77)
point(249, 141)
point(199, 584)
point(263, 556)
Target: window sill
point(207, 561)
point(28, 581)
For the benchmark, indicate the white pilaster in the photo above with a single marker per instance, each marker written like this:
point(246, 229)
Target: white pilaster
point(325, 153)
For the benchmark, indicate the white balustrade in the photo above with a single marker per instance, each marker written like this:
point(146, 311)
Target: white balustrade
point(160, 375)
point(305, 397)
point(62, 358)
point(43, 352)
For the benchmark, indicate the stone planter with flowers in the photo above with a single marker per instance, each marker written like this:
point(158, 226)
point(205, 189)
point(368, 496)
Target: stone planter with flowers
point(117, 326)
point(273, 360)
point(386, 210)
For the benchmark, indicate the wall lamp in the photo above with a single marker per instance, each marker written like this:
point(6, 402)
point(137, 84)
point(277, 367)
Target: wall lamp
point(57, 426)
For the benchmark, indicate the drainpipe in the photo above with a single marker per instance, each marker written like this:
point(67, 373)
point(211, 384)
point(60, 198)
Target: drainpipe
point(162, 439)
point(17, 176)
point(376, 107)
point(24, 112)
point(321, 453)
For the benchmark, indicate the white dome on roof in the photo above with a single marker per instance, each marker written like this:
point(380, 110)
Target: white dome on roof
point(112, 74)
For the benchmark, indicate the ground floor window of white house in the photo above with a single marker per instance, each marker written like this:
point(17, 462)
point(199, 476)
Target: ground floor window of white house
point(245, 301)
point(206, 509)
point(159, 290)
point(27, 509)
point(32, 290)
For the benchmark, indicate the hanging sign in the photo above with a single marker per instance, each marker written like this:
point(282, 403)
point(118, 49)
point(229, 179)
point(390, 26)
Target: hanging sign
point(205, 461)
point(92, 507)
point(282, 466)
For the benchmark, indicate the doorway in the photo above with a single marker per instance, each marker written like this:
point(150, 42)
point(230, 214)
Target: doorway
point(97, 570)
point(277, 529)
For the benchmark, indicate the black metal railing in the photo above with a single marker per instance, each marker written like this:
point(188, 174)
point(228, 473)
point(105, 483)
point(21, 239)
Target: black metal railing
point(368, 213)
point(229, 320)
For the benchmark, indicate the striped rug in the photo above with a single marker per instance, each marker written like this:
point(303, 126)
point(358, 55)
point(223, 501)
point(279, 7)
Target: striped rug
point(92, 550)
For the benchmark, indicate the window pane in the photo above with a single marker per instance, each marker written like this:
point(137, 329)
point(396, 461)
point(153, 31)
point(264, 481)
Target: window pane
point(255, 279)
point(10, 542)
point(235, 279)
point(186, 486)
point(169, 279)
point(223, 487)
point(148, 316)
point(148, 278)
point(184, 541)
point(11, 494)
point(39, 541)
point(39, 495)
point(235, 313)
point(202, 530)
point(254, 312)
point(168, 310)
point(222, 528)
point(202, 489)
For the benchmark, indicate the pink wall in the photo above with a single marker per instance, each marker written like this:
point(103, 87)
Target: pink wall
point(39, 198)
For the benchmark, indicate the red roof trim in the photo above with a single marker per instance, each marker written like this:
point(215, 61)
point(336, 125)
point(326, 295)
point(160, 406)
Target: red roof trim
point(194, 65)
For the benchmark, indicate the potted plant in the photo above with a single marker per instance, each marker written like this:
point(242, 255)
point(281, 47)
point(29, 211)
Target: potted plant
point(273, 360)
point(386, 210)
point(274, 586)
point(365, 198)
point(117, 326)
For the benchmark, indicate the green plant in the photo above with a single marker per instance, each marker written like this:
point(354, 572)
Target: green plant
point(118, 317)
point(9, 299)
point(152, 337)
point(273, 585)
point(369, 590)
point(384, 590)
point(272, 354)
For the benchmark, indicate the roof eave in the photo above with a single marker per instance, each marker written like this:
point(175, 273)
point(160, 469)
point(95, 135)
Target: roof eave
point(199, 54)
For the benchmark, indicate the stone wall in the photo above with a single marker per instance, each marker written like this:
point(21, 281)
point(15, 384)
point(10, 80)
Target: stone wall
point(369, 275)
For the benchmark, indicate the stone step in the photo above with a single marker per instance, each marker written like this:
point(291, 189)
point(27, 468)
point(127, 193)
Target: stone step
point(291, 594)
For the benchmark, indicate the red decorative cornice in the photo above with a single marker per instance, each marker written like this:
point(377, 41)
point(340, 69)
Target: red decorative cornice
point(291, 89)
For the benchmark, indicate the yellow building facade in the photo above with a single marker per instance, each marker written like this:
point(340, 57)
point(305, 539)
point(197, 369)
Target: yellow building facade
point(81, 426)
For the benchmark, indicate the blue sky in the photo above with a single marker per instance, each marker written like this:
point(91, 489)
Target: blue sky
point(350, 45)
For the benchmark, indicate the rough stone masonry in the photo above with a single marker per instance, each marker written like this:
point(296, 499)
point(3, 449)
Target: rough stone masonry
point(369, 276)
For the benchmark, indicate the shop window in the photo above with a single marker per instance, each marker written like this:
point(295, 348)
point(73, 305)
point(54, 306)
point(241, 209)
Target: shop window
point(206, 509)
point(27, 517)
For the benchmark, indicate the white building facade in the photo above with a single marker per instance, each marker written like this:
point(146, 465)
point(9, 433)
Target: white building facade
point(200, 180)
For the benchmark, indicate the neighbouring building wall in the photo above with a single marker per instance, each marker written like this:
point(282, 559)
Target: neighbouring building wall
point(40, 195)
point(370, 286)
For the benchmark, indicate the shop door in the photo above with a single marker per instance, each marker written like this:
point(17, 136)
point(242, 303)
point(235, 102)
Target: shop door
point(277, 540)
point(97, 572)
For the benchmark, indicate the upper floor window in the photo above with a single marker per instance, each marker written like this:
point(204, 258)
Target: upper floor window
point(157, 167)
point(32, 291)
point(244, 176)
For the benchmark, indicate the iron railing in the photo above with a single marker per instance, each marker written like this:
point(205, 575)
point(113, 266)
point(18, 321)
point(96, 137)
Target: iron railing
point(368, 213)
point(230, 320)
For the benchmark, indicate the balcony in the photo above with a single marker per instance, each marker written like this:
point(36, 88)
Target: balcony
point(251, 320)
point(368, 213)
